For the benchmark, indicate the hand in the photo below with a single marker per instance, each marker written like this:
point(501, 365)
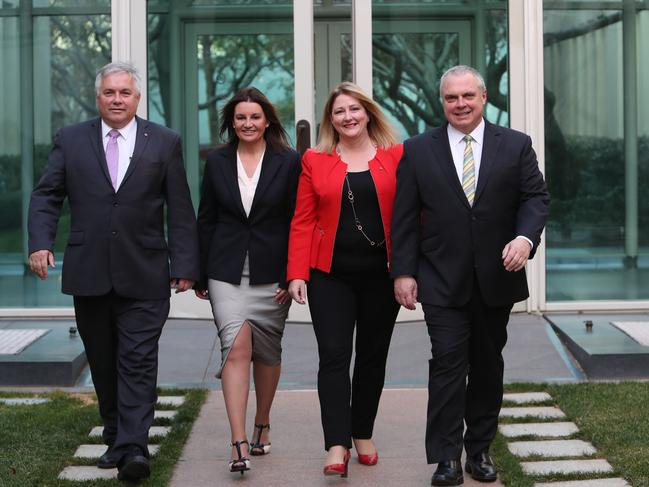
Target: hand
point(515, 254)
point(181, 285)
point(297, 290)
point(405, 291)
point(281, 296)
point(202, 293)
point(39, 261)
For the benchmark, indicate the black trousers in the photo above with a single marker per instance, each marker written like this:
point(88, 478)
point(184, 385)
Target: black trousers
point(465, 381)
point(338, 305)
point(120, 336)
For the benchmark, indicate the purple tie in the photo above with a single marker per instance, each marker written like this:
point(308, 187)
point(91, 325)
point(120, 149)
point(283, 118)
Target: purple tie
point(112, 156)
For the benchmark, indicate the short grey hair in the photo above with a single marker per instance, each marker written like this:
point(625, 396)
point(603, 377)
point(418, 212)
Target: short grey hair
point(118, 67)
point(459, 71)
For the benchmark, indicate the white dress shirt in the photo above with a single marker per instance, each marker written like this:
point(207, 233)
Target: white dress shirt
point(125, 146)
point(248, 186)
point(455, 140)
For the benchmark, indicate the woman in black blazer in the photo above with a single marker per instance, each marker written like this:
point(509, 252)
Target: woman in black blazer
point(247, 202)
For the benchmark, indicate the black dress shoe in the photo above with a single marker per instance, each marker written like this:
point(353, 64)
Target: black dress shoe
point(108, 459)
point(448, 472)
point(481, 468)
point(134, 466)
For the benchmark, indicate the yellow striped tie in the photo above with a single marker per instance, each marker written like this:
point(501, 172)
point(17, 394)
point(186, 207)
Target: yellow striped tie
point(468, 170)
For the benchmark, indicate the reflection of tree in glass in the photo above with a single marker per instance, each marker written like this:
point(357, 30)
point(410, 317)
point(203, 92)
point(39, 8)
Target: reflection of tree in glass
point(563, 165)
point(407, 68)
point(229, 63)
point(79, 46)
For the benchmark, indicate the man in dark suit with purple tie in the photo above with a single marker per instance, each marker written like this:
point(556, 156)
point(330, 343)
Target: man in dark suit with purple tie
point(118, 172)
point(469, 211)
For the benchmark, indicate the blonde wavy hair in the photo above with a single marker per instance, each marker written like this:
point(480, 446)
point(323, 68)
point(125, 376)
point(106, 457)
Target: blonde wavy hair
point(380, 130)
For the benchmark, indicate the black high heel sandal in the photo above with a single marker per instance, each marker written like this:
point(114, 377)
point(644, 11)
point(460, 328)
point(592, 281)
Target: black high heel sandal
point(257, 448)
point(242, 463)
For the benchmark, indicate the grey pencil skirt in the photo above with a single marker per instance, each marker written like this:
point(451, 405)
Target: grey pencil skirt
point(233, 304)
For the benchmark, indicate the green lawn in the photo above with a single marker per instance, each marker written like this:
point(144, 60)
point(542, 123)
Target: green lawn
point(38, 441)
point(613, 417)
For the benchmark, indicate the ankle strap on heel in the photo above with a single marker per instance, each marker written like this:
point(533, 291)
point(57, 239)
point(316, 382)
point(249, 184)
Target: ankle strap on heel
point(237, 445)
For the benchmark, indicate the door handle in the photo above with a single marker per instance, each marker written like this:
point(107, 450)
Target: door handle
point(302, 136)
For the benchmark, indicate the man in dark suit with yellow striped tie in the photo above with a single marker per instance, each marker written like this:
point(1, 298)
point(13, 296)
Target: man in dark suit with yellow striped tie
point(469, 211)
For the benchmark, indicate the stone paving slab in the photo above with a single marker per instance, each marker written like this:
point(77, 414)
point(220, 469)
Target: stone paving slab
point(553, 430)
point(552, 448)
point(153, 432)
point(171, 400)
point(617, 482)
point(527, 397)
point(165, 414)
point(95, 451)
point(87, 473)
point(532, 412)
point(12, 342)
point(298, 447)
point(566, 467)
point(23, 401)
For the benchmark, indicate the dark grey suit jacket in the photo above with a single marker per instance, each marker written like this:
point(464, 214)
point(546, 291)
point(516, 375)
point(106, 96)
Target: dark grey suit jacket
point(442, 241)
point(117, 239)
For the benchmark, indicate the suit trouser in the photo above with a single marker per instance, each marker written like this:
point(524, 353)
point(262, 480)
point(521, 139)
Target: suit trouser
point(338, 305)
point(120, 336)
point(465, 382)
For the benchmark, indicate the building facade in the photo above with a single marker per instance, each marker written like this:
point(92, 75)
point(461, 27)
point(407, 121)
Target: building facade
point(567, 72)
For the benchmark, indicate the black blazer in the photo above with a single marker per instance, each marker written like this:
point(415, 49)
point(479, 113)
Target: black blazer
point(442, 241)
point(117, 239)
point(227, 234)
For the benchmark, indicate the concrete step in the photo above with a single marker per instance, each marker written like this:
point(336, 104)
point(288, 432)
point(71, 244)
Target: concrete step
point(532, 412)
point(165, 414)
point(617, 482)
point(527, 397)
point(566, 467)
point(95, 451)
point(155, 431)
point(87, 473)
point(553, 430)
point(171, 400)
point(552, 448)
point(23, 401)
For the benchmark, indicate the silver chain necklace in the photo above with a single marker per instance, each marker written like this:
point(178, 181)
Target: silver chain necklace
point(357, 222)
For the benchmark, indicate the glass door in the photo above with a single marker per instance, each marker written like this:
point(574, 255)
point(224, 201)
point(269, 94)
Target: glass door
point(220, 59)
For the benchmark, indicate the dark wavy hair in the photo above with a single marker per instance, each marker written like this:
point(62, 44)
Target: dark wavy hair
point(275, 135)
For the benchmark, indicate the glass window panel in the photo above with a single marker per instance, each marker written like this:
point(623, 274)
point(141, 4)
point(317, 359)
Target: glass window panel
point(11, 195)
point(406, 72)
point(597, 243)
point(228, 63)
point(191, 78)
point(67, 50)
point(8, 4)
point(240, 2)
point(71, 3)
point(420, 2)
point(158, 70)
point(409, 57)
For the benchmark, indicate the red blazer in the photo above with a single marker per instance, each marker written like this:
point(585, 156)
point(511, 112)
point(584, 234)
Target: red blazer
point(317, 210)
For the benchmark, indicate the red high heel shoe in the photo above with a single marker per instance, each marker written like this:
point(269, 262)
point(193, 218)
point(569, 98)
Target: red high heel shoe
point(369, 460)
point(338, 468)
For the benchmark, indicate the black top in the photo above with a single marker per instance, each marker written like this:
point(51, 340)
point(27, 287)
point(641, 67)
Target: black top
point(353, 253)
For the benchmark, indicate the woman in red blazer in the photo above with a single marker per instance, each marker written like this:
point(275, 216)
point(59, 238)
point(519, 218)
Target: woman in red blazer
point(340, 243)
